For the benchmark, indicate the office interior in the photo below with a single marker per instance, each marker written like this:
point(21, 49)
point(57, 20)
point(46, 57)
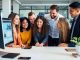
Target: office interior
point(23, 7)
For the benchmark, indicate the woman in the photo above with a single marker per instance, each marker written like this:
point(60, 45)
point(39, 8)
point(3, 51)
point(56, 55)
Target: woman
point(40, 31)
point(25, 33)
point(16, 29)
point(63, 27)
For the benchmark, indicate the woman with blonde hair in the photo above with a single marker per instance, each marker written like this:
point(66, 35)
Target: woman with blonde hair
point(16, 29)
point(63, 27)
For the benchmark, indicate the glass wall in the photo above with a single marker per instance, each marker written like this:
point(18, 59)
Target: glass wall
point(43, 9)
point(24, 13)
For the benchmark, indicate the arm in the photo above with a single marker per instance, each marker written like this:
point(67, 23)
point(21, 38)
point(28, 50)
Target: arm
point(35, 38)
point(19, 40)
point(29, 40)
point(15, 42)
point(14, 37)
point(36, 41)
point(45, 39)
point(71, 44)
point(76, 33)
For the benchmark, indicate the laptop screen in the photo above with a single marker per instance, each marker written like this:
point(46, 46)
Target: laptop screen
point(7, 31)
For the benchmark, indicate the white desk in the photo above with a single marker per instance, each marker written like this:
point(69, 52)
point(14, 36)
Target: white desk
point(41, 53)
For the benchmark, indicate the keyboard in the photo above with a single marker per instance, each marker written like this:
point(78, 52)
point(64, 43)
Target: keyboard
point(11, 55)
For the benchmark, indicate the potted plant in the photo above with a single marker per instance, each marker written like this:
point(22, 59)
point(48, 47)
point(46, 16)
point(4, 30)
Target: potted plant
point(76, 40)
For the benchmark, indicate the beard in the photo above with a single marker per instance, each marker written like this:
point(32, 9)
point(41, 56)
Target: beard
point(52, 17)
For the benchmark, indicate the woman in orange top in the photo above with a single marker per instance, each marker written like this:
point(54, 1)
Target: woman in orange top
point(63, 27)
point(16, 29)
point(25, 33)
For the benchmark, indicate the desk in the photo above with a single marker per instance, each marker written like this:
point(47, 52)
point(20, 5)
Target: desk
point(41, 53)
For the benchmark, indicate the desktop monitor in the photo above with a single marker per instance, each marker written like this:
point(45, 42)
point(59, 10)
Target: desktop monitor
point(6, 34)
point(1, 33)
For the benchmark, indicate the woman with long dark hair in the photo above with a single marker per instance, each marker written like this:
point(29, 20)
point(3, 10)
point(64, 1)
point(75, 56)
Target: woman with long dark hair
point(40, 31)
point(25, 31)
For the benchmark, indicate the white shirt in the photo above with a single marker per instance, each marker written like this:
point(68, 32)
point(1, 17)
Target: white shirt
point(53, 31)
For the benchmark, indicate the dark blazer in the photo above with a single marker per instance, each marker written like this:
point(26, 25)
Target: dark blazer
point(76, 32)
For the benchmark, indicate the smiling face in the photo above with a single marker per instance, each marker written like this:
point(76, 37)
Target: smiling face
point(39, 23)
point(25, 24)
point(74, 12)
point(16, 20)
point(53, 13)
point(32, 18)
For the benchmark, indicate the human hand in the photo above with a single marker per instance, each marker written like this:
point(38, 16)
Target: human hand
point(41, 45)
point(63, 45)
point(37, 44)
point(23, 46)
point(16, 46)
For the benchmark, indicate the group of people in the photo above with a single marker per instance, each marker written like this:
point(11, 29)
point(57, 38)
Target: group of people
point(52, 29)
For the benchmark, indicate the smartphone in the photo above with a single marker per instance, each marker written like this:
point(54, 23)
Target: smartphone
point(24, 58)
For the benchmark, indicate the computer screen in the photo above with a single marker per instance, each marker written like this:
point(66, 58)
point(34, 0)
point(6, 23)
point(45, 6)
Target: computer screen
point(7, 31)
point(6, 34)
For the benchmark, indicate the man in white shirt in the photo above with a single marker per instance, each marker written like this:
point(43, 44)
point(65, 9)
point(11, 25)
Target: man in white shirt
point(53, 18)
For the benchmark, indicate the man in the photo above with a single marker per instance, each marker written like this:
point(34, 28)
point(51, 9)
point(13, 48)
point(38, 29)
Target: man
point(53, 18)
point(75, 28)
point(31, 17)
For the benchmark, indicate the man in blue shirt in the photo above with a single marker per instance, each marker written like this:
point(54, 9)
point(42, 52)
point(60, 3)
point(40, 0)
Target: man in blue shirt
point(53, 18)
